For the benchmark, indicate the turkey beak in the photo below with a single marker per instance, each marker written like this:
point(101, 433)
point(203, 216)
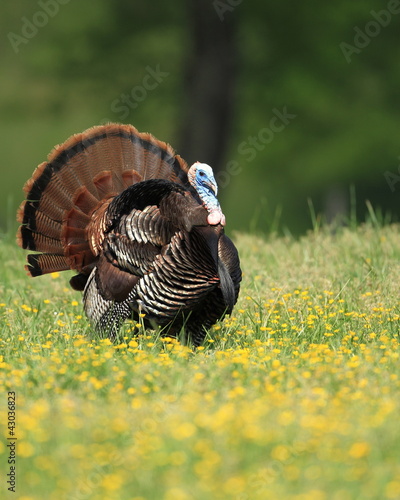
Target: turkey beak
point(212, 185)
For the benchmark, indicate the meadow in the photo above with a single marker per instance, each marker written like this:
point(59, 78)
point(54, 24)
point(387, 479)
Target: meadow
point(295, 396)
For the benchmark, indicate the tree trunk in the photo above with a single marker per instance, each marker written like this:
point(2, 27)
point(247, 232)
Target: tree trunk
point(208, 85)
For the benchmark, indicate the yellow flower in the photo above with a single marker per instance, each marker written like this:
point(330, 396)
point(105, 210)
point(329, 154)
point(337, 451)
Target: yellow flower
point(359, 450)
point(25, 449)
point(393, 490)
point(177, 494)
point(280, 453)
point(183, 431)
point(112, 482)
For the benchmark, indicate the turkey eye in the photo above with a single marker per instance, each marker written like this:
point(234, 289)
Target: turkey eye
point(202, 174)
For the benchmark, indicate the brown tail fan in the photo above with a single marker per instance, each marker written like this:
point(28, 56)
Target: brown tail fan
point(64, 194)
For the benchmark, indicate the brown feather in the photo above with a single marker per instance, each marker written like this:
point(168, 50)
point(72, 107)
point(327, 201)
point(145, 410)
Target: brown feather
point(113, 283)
point(85, 201)
point(104, 184)
point(37, 174)
point(130, 177)
point(76, 218)
point(39, 264)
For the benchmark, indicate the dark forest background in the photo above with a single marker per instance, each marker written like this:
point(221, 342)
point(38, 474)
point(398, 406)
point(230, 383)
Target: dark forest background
point(296, 105)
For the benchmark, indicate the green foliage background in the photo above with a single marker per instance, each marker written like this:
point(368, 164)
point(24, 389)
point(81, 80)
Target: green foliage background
point(66, 77)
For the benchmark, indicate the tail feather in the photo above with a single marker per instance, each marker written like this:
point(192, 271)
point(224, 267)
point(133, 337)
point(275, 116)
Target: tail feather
point(76, 218)
point(33, 187)
point(131, 177)
point(104, 184)
point(39, 264)
point(116, 152)
point(39, 242)
point(84, 200)
point(41, 224)
point(73, 235)
point(46, 226)
point(84, 166)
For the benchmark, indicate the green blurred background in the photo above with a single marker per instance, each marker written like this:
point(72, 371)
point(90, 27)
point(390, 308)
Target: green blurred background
point(288, 101)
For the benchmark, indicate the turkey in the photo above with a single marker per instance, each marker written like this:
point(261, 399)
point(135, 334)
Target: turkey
point(143, 231)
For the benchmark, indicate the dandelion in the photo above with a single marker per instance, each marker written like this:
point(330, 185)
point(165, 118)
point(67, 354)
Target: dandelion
point(359, 450)
point(25, 449)
point(112, 482)
point(184, 430)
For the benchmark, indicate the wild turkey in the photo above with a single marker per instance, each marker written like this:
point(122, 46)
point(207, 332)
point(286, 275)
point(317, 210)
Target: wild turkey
point(144, 232)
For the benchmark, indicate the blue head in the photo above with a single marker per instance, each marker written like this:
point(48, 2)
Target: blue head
point(201, 177)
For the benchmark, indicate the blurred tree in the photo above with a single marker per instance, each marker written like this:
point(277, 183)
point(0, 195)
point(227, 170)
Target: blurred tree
point(209, 81)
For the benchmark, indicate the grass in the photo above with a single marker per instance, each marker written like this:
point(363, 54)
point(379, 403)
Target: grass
point(296, 396)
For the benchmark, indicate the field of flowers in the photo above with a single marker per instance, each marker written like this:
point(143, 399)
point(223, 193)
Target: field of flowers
point(294, 397)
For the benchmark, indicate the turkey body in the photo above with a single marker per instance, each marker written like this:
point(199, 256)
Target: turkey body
point(144, 232)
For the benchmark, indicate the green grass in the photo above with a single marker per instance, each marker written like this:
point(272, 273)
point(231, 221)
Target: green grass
point(296, 396)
